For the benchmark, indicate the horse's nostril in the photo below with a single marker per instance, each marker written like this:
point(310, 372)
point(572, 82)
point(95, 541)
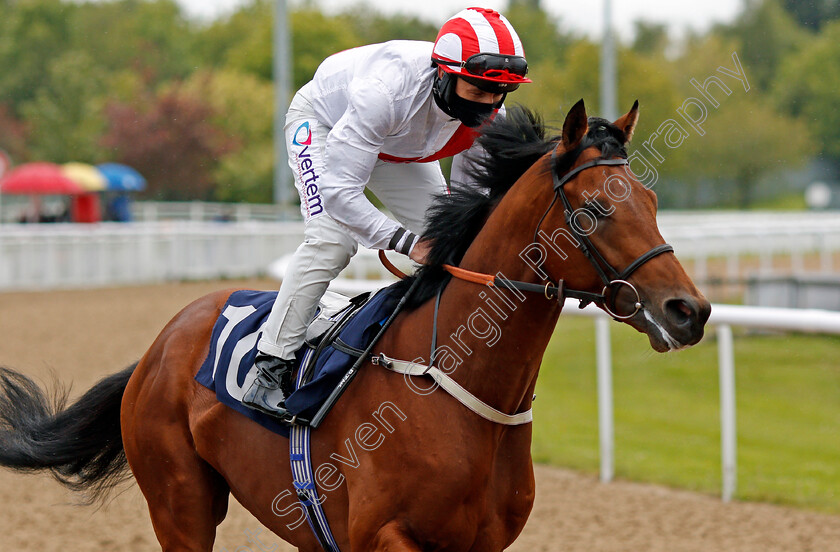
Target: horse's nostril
point(679, 311)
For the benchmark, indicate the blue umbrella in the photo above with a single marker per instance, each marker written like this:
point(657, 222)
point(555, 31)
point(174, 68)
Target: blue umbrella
point(122, 178)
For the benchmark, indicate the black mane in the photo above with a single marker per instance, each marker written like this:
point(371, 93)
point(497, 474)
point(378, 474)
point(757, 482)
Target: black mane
point(513, 145)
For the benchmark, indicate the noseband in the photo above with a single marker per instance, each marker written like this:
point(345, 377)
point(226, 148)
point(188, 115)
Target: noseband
point(611, 278)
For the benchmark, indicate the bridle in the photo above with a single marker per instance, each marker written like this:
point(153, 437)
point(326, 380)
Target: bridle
point(610, 277)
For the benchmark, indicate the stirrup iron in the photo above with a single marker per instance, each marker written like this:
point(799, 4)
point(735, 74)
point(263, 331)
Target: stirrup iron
point(271, 387)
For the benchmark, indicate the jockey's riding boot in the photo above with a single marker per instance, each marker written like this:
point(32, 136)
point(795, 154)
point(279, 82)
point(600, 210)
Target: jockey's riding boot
point(272, 386)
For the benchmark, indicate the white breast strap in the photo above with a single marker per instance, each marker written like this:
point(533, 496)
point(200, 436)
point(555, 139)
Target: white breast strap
point(453, 388)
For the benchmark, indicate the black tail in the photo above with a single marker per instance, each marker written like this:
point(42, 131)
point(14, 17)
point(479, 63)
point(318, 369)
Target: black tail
point(80, 444)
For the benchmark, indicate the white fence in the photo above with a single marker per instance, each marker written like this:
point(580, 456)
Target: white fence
point(48, 256)
point(734, 235)
point(173, 240)
point(723, 318)
point(150, 211)
point(14, 208)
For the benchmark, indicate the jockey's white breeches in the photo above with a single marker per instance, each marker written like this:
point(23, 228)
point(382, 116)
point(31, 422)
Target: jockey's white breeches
point(406, 189)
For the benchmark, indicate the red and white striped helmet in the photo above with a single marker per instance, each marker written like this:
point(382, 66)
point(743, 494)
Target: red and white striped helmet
point(481, 43)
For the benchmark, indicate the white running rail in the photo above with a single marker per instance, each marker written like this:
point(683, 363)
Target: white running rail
point(50, 256)
point(723, 317)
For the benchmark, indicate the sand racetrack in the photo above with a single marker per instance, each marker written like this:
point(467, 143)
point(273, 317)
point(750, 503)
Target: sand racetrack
point(81, 336)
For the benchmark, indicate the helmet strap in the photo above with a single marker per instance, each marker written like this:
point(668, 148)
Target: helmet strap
point(443, 91)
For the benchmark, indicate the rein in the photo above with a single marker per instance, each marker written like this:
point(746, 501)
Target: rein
point(610, 277)
point(550, 291)
point(441, 378)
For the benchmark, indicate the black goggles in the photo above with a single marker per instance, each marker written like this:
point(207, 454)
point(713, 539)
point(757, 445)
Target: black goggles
point(492, 87)
point(492, 66)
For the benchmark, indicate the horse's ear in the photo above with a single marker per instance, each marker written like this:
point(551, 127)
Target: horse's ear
point(575, 125)
point(627, 123)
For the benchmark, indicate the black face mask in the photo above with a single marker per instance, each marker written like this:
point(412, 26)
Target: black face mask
point(472, 114)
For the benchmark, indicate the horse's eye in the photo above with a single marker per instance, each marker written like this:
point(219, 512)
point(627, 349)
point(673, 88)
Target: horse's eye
point(598, 209)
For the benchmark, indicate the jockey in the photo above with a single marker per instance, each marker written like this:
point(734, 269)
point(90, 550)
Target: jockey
point(379, 117)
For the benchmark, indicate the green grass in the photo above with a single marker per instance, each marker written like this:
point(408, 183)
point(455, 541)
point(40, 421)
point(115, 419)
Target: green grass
point(667, 413)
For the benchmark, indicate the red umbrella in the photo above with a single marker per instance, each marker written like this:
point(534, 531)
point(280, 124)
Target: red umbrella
point(38, 178)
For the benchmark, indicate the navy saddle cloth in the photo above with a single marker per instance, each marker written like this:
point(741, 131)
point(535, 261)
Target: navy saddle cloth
point(229, 368)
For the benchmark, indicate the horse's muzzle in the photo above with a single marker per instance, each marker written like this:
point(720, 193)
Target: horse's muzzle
point(675, 323)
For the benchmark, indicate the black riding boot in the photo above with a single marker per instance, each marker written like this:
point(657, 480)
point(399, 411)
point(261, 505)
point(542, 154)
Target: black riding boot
point(272, 386)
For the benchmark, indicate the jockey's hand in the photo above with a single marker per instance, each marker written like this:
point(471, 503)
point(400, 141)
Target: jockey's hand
point(419, 254)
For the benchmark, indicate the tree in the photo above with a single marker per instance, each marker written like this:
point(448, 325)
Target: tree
point(808, 85)
point(651, 38)
point(372, 27)
point(170, 139)
point(212, 43)
point(251, 50)
point(12, 134)
point(244, 42)
point(151, 38)
point(316, 36)
point(814, 13)
point(540, 33)
point(764, 35)
point(242, 107)
point(32, 35)
point(745, 139)
point(65, 117)
point(530, 4)
point(557, 87)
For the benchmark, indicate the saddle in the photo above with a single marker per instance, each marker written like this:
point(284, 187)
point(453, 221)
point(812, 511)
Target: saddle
point(335, 339)
point(333, 314)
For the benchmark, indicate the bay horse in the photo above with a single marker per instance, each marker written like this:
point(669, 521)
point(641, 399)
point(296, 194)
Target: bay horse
point(400, 466)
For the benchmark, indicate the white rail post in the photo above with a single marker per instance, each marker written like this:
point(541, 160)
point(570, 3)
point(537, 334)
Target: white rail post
point(726, 366)
point(605, 397)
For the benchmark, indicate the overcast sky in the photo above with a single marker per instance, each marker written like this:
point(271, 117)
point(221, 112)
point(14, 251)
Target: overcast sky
point(580, 15)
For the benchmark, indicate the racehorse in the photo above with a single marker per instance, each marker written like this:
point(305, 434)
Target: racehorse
point(402, 466)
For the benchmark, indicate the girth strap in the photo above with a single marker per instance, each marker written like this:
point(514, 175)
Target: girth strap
point(303, 477)
point(453, 388)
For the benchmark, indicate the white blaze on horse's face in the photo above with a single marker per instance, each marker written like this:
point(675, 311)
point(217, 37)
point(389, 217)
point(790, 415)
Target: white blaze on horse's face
point(673, 344)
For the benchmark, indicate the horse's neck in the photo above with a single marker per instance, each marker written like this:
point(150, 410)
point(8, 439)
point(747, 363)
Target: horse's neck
point(500, 335)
